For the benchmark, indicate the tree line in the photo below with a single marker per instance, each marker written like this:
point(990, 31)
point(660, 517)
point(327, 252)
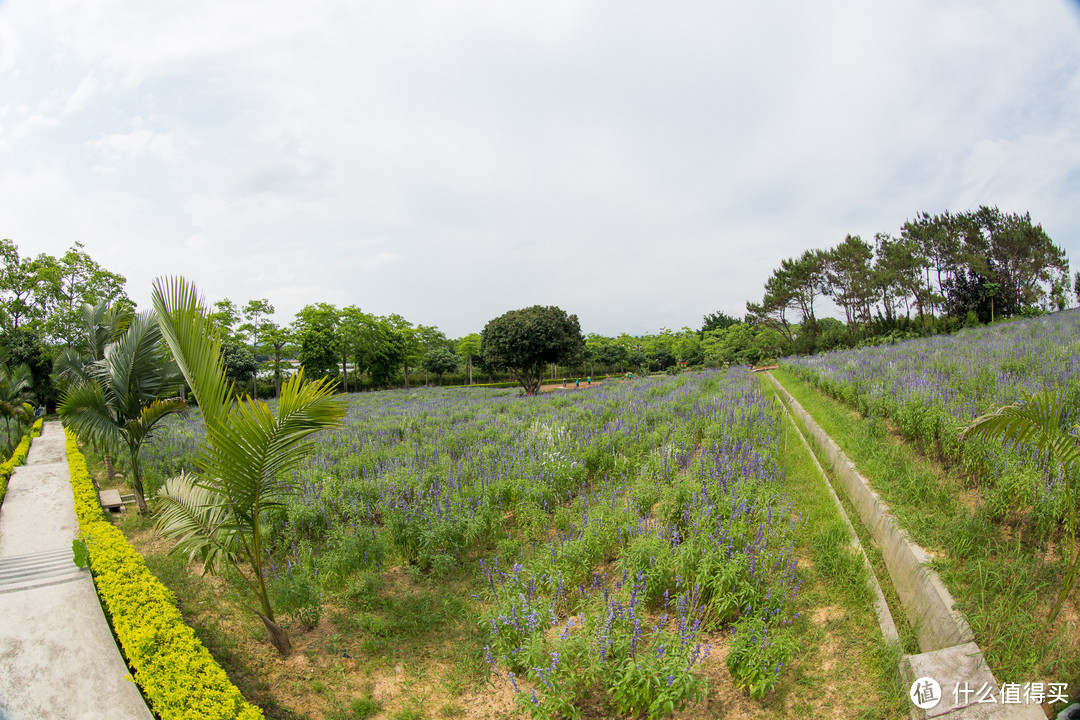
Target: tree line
point(939, 273)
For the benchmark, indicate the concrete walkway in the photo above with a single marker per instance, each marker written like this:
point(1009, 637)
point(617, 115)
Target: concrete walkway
point(58, 658)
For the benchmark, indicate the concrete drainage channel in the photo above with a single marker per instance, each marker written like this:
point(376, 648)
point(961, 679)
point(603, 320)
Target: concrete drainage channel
point(949, 656)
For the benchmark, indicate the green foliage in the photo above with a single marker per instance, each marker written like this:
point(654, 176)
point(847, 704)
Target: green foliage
point(123, 400)
point(523, 341)
point(759, 653)
point(296, 593)
point(1038, 420)
point(246, 461)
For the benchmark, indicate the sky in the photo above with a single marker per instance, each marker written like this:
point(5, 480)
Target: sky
point(639, 164)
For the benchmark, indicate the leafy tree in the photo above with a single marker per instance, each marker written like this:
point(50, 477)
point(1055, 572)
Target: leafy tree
point(899, 274)
point(1040, 421)
point(440, 361)
point(279, 340)
point(468, 348)
point(225, 317)
point(257, 316)
point(850, 281)
point(523, 341)
point(25, 347)
point(45, 294)
point(1076, 285)
point(125, 398)
point(15, 389)
point(240, 364)
point(102, 324)
point(408, 339)
point(793, 287)
point(688, 349)
point(247, 458)
point(1017, 256)
point(717, 321)
point(315, 329)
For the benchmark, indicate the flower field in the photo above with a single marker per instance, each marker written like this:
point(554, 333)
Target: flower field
point(933, 387)
point(608, 535)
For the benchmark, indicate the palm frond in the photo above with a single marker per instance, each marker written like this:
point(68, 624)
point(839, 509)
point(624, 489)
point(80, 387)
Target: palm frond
point(85, 409)
point(1037, 419)
point(195, 345)
point(199, 520)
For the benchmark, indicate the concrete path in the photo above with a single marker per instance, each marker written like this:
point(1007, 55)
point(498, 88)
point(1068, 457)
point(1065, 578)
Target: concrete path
point(58, 657)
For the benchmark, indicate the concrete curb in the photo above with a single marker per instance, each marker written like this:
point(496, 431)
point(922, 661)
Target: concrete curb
point(948, 653)
point(881, 607)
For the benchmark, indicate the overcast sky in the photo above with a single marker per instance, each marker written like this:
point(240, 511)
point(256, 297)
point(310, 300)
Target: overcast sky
point(639, 164)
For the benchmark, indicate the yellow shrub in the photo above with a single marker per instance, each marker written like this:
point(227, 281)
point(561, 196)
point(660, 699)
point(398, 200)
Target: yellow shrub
point(176, 672)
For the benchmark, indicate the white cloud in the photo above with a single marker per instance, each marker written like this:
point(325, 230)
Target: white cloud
point(643, 164)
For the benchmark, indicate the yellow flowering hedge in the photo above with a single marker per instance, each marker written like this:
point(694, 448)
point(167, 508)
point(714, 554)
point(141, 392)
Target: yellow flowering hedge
point(176, 672)
point(18, 457)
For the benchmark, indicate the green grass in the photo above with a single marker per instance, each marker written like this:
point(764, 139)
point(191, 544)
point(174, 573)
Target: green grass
point(1003, 585)
point(838, 578)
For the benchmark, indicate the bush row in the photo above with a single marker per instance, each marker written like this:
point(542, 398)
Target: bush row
point(17, 458)
point(176, 672)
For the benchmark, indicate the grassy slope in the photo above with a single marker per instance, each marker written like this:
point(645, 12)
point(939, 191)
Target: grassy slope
point(837, 579)
point(1003, 586)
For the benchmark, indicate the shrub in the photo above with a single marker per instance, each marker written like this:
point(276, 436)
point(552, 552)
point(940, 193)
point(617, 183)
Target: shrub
point(175, 671)
point(18, 457)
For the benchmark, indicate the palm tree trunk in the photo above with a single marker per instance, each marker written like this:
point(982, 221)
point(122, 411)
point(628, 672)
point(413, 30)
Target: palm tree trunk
point(277, 635)
point(136, 481)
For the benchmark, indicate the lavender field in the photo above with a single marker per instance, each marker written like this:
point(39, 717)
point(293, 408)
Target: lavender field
point(611, 532)
point(933, 387)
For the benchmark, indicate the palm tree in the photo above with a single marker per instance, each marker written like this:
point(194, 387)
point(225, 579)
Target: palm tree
point(1038, 419)
point(124, 398)
point(245, 462)
point(102, 324)
point(15, 385)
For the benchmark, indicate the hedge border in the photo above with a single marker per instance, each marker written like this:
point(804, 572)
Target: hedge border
point(18, 457)
point(177, 674)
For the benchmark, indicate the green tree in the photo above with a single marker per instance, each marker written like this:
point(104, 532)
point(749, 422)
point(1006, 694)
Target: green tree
point(440, 360)
point(240, 363)
point(102, 324)
point(523, 341)
point(717, 321)
point(246, 460)
point(316, 331)
point(225, 317)
point(16, 383)
point(1040, 421)
point(256, 316)
point(126, 396)
point(468, 348)
point(850, 280)
point(279, 340)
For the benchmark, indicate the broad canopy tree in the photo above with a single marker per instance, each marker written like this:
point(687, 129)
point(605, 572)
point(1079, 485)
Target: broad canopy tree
point(524, 341)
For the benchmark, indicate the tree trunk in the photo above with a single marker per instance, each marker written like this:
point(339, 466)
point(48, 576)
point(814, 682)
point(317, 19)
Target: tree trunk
point(277, 635)
point(344, 372)
point(255, 385)
point(406, 375)
point(136, 482)
point(468, 366)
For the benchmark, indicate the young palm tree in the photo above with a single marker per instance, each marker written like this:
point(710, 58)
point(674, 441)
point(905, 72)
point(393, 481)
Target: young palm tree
point(102, 324)
point(1038, 419)
point(245, 463)
point(15, 384)
point(123, 399)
